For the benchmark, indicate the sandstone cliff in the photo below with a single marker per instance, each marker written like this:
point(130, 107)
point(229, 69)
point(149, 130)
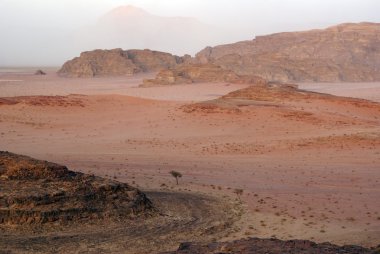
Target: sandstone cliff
point(200, 73)
point(117, 62)
point(39, 192)
point(347, 52)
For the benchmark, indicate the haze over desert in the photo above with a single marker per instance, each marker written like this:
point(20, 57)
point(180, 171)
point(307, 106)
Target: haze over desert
point(267, 145)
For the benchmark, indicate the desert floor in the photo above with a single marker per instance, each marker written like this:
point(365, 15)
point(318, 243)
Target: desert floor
point(302, 177)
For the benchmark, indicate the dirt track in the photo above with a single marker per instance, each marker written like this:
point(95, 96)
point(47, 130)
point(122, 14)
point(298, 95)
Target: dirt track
point(183, 217)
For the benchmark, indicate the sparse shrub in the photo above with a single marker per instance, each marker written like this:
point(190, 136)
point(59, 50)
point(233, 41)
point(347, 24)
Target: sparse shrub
point(176, 175)
point(238, 192)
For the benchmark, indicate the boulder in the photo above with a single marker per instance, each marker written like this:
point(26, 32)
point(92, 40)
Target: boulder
point(39, 73)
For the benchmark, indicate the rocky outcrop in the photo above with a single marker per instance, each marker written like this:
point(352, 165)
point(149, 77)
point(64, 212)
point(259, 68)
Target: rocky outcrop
point(117, 62)
point(7, 101)
point(269, 246)
point(347, 52)
point(40, 73)
point(39, 192)
point(200, 73)
point(52, 101)
point(273, 94)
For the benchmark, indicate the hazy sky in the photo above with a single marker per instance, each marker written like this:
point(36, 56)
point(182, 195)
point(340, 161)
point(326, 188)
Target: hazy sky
point(28, 26)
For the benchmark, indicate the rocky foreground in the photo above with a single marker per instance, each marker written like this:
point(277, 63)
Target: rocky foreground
point(46, 208)
point(269, 246)
point(38, 192)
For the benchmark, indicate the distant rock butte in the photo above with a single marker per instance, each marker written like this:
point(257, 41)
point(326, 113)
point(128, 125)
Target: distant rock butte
point(200, 73)
point(117, 62)
point(347, 52)
point(269, 246)
point(38, 192)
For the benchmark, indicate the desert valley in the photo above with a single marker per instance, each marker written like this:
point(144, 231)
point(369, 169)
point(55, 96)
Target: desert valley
point(270, 145)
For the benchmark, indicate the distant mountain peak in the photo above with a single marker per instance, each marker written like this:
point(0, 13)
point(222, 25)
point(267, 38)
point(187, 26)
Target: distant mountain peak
point(132, 27)
point(127, 10)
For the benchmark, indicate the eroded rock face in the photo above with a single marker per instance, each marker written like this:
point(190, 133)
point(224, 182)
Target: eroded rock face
point(269, 246)
point(118, 62)
point(38, 192)
point(347, 52)
point(200, 73)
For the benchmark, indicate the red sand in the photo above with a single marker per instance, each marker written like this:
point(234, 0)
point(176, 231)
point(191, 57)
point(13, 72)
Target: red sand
point(308, 178)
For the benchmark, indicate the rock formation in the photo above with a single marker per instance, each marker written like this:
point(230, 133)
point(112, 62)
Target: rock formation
point(117, 62)
point(59, 101)
point(269, 246)
point(39, 72)
point(347, 52)
point(200, 73)
point(272, 94)
point(39, 192)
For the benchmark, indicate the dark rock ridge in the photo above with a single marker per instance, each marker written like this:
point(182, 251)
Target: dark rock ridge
point(347, 52)
point(118, 62)
point(200, 73)
point(269, 246)
point(39, 192)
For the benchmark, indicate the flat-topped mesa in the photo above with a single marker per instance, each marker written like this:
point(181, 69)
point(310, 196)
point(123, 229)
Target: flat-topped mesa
point(118, 62)
point(39, 192)
point(201, 73)
point(347, 52)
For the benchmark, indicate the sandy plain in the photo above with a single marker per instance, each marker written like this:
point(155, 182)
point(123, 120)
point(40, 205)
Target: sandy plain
point(302, 177)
